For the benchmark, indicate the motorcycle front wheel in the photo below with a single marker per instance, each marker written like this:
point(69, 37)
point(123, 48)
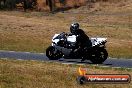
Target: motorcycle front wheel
point(52, 54)
point(99, 56)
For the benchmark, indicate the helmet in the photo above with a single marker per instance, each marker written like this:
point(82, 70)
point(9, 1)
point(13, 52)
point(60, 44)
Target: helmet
point(74, 27)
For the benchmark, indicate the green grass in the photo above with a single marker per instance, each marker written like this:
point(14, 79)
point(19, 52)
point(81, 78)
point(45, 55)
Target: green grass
point(37, 74)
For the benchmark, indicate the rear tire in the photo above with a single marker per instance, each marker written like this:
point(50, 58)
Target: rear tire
point(51, 54)
point(99, 56)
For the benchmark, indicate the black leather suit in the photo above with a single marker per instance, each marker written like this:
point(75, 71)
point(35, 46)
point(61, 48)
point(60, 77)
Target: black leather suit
point(82, 38)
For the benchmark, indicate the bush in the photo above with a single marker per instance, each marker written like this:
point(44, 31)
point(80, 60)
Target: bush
point(1, 4)
point(10, 4)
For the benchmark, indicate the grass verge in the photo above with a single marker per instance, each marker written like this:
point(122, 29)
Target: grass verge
point(37, 74)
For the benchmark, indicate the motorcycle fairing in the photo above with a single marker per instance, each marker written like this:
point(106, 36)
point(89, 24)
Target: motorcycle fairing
point(98, 41)
point(71, 38)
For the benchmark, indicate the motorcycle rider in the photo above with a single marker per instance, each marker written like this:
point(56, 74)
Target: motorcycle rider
point(82, 39)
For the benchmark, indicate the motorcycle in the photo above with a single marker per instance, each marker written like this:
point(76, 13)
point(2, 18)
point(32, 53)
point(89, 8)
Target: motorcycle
point(64, 46)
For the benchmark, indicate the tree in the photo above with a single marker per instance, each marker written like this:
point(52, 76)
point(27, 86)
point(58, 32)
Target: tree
point(2, 4)
point(51, 4)
point(10, 4)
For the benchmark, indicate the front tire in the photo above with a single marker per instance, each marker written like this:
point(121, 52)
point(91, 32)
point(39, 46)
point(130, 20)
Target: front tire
point(99, 56)
point(52, 54)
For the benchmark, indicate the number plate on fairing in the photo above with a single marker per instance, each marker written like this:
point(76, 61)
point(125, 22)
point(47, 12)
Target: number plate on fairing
point(71, 38)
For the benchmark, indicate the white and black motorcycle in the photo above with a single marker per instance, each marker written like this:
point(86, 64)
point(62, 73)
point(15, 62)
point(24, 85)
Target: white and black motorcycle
point(64, 46)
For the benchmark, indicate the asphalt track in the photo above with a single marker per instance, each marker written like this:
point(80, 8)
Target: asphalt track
point(110, 62)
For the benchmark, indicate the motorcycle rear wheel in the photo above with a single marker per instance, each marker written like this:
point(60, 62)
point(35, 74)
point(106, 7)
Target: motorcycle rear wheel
point(99, 56)
point(52, 54)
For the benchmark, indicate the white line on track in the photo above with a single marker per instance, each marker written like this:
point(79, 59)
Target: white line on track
point(96, 65)
point(20, 52)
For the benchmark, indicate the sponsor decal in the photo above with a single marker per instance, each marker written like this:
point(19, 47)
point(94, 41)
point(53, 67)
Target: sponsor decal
point(102, 78)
